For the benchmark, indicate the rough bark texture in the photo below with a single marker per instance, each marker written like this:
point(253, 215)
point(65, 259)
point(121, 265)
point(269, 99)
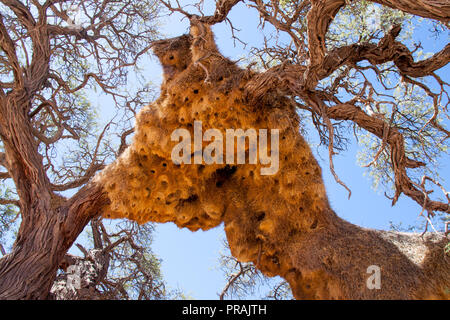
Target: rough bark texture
point(433, 9)
point(29, 270)
point(283, 222)
point(50, 223)
point(31, 88)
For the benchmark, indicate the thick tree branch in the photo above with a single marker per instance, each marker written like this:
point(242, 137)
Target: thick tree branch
point(400, 162)
point(319, 19)
point(433, 9)
point(4, 175)
point(223, 7)
point(21, 12)
point(10, 201)
point(387, 49)
point(3, 160)
point(7, 45)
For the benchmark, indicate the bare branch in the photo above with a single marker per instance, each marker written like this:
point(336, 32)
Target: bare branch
point(223, 7)
point(10, 201)
point(4, 175)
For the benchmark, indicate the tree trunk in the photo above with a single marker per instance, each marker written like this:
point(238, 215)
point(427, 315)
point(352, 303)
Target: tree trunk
point(50, 223)
point(29, 270)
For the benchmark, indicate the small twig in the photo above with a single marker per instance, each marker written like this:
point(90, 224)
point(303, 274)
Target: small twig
point(232, 280)
point(83, 250)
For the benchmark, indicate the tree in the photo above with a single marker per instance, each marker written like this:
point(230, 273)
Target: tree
point(121, 265)
point(244, 279)
point(320, 72)
point(52, 53)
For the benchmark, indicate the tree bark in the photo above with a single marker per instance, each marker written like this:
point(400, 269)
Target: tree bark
point(433, 9)
point(29, 270)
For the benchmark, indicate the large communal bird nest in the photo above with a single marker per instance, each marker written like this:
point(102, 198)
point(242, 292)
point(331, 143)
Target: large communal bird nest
point(282, 221)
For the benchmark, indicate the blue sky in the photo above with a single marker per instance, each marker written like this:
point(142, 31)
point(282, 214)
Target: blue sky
point(190, 259)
